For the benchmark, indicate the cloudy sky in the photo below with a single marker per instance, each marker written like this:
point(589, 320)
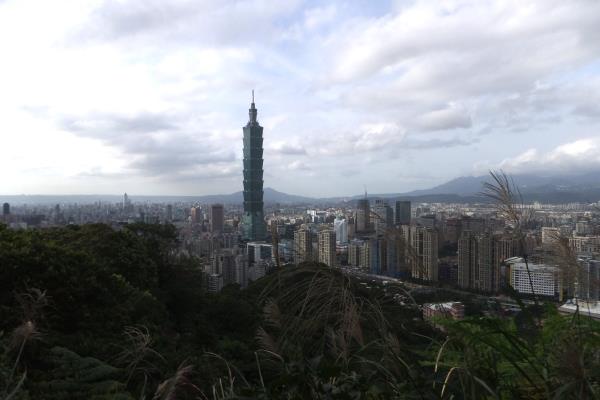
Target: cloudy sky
point(150, 96)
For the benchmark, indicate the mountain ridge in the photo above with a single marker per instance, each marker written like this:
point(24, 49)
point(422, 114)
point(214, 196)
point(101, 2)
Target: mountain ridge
point(584, 187)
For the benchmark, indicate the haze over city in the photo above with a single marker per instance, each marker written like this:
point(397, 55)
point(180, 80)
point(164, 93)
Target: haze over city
point(299, 199)
point(149, 97)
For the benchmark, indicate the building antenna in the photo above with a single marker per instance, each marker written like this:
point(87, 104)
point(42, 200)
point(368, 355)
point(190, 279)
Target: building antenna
point(253, 95)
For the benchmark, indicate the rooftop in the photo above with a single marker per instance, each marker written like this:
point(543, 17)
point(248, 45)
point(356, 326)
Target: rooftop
point(587, 308)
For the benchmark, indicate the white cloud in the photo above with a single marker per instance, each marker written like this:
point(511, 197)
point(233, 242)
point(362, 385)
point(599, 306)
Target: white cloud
point(451, 117)
point(298, 165)
point(153, 94)
point(578, 156)
point(315, 17)
point(503, 39)
point(215, 22)
point(367, 138)
point(377, 136)
point(413, 63)
point(283, 148)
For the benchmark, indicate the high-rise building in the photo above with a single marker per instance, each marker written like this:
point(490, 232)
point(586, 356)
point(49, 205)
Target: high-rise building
point(223, 263)
point(480, 257)
point(228, 240)
point(467, 259)
point(383, 216)
point(257, 271)
point(451, 229)
point(363, 216)
point(485, 272)
point(384, 253)
point(241, 270)
point(228, 268)
point(196, 215)
point(340, 225)
point(475, 225)
point(378, 255)
point(169, 213)
point(394, 252)
point(402, 213)
point(326, 251)
point(588, 279)
point(351, 227)
point(253, 223)
point(5, 209)
point(421, 252)
point(260, 252)
point(354, 249)
point(216, 217)
point(365, 255)
point(57, 216)
point(302, 245)
point(505, 247)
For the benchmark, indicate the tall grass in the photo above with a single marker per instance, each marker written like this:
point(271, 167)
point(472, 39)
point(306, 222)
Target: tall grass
point(32, 302)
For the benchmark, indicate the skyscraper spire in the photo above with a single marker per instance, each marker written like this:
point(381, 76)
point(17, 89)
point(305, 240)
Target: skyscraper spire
point(253, 112)
point(253, 220)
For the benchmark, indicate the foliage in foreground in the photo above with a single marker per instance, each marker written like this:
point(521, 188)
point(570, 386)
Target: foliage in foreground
point(92, 313)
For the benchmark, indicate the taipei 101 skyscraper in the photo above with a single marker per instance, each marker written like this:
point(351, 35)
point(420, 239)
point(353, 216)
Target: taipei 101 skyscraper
point(253, 222)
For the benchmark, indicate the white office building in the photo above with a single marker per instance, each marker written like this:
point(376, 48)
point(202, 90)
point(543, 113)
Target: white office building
point(540, 279)
point(340, 225)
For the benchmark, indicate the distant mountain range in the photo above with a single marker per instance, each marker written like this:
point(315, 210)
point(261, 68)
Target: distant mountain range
point(270, 196)
point(527, 184)
point(584, 188)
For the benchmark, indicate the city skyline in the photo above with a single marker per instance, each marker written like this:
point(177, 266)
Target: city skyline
point(413, 198)
point(145, 97)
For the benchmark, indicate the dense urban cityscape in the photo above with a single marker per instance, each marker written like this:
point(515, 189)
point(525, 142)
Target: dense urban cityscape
point(409, 210)
point(460, 245)
point(464, 246)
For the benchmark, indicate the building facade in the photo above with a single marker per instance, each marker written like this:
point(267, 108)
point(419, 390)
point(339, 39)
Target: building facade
point(480, 257)
point(588, 279)
point(549, 235)
point(536, 279)
point(216, 218)
point(363, 216)
point(402, 213)
point(340, 225)
point(302, 245)
point(354, 250)
point(326, 240)
point(383, 216)
point(253, 221)
point(196, 215)
point(421, 252)
point(467, 259)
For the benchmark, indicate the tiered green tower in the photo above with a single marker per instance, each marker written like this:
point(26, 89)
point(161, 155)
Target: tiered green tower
point(253, 222)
